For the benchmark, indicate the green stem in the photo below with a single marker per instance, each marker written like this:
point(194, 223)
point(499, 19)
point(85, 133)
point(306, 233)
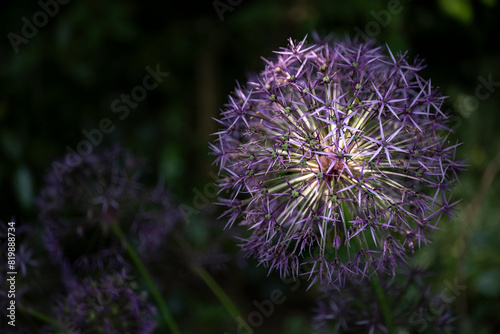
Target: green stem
point(218, 291)
point(39, 316)
point(386, 312)
point(149, 281)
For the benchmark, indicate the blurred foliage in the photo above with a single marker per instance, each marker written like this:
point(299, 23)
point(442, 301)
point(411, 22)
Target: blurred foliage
point(459, 9)
point(65, 78)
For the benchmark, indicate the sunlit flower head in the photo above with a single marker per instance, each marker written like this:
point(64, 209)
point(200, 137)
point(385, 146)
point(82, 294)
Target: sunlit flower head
point(334, 159)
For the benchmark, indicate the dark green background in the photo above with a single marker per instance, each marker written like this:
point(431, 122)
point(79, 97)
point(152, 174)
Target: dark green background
point(64, 80)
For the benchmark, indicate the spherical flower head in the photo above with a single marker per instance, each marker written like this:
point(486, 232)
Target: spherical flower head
point(334, 159)
point(80, 207)
point(413, 306)
point(108, 305)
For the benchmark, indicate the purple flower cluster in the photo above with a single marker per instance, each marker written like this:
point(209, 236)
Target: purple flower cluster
point(106, 188)
point(335, 157)
point(356, 308)
point(108, 305)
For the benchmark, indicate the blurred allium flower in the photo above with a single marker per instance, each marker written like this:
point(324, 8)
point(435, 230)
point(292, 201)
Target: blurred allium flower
point(108, 187)
point(108, 305)
point(325, 155)
point(355, 309)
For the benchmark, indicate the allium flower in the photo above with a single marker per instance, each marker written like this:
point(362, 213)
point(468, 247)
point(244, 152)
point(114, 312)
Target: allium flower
point(333, 158)
point(108, 305)
point(106, 188)
point(414, 308)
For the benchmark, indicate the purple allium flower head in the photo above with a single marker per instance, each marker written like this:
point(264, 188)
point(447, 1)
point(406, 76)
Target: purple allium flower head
point(108, 305)
point(356, 308)
point(108, 187)
point(334, 159)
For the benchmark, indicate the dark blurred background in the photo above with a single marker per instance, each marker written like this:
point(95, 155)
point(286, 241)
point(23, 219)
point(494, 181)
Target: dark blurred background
point(62, 75)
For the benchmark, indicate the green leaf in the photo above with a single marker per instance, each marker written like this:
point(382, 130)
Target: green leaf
point(171, 164)
point(488, 283)
point(23, 186)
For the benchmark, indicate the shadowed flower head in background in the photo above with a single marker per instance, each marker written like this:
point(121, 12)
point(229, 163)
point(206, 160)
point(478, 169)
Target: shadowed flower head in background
point(335, 157)
point(108, 187)
point(356, 309)
point(108, 305)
